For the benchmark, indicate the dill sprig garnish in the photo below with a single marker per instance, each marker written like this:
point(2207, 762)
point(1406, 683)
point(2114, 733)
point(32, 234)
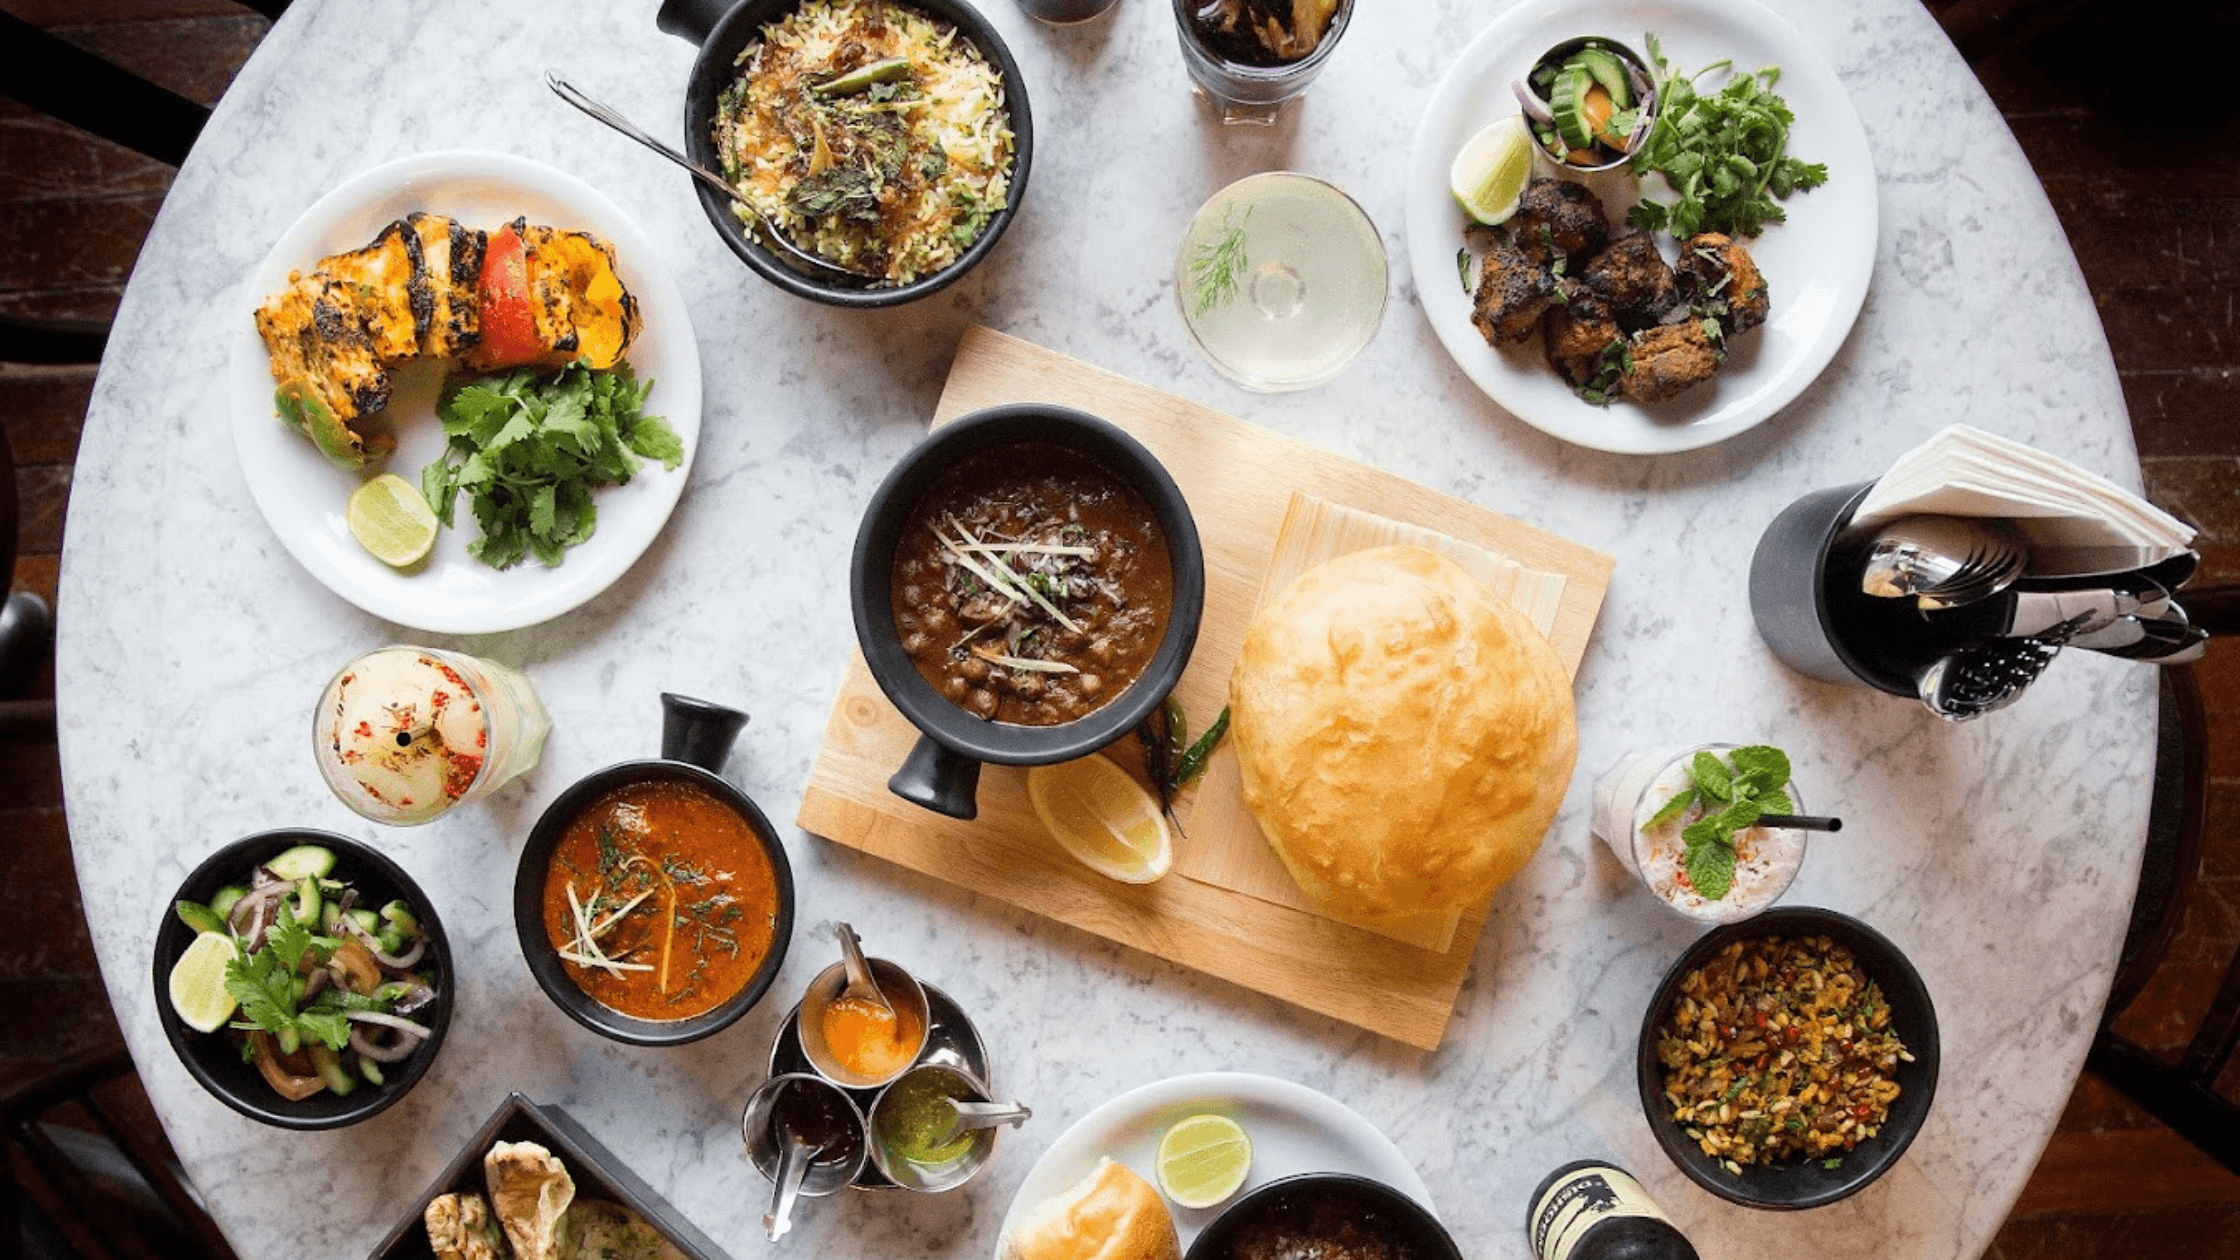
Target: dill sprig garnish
point(1217, 264)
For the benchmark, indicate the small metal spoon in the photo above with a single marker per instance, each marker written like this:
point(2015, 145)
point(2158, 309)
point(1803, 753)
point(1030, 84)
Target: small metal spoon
point(862, 985)
point(770, 234)
point(793, 1165)
point(965, 1114)
point(1942, 561)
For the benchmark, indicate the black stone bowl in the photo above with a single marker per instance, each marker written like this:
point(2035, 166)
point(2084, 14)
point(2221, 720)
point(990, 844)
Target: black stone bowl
point(1379, 1208)
point(695, 737)
point(943, 772)
point(214, 1059)
point(1804, 1183)
point(722, 29)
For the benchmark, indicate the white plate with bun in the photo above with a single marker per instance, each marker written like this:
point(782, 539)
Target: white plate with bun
point(1293, 1130)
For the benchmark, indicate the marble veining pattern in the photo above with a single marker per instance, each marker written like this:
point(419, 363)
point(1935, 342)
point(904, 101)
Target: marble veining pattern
point(2000, 855)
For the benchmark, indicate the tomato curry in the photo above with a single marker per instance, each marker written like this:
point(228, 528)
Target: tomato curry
point(661, 900)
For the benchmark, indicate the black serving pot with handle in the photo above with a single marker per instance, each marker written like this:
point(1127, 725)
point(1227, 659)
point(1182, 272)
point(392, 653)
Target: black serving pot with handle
point(722, 29)
point(696, 736)
point(942, 773)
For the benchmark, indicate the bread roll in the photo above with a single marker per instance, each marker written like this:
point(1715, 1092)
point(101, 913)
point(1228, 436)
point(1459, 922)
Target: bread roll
point(1111, 1214)
point(1404, 735)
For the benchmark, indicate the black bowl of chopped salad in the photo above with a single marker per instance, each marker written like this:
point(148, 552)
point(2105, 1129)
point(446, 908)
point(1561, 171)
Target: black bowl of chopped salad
point(1787, 1061)
point(338, 971)
point(807, 133)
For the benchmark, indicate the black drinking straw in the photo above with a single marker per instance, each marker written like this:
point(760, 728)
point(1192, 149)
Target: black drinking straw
point(1800, 822)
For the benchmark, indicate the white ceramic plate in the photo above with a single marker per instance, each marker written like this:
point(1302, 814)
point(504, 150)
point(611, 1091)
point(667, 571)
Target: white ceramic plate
point(304, 498)
point(1818, 263)
point(1294, 1130)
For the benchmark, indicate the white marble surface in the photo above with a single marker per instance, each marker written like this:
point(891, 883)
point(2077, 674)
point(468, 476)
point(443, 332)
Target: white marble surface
point(2000, 855)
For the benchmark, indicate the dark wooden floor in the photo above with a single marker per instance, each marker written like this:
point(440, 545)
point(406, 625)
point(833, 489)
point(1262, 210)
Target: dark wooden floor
point(2151, 205)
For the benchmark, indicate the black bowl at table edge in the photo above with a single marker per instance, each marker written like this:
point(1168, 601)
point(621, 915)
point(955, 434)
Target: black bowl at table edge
point(722, 30)
point(1805, 1183)
point(214, 1060)
point(942, 771)
point(1426, 1238)
point(690, 728)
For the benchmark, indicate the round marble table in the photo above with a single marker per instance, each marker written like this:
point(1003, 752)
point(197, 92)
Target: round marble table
point(2000, 855)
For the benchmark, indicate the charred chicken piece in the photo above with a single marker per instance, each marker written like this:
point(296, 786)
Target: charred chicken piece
point(1632, 278)
point(1557, 217)
point(1670, 360)
point(1576, 334)
point(452, 252)
point(1513, 292)
point(1718, 276)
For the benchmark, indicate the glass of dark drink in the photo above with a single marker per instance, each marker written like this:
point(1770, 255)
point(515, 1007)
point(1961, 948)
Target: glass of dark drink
point(1248, 57)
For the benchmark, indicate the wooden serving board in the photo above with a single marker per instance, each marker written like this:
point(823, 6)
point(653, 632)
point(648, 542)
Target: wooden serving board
point(1240, 481)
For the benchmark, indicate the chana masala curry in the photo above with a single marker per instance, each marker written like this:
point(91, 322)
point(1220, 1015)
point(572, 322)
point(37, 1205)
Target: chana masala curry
point(1031, 585)
point(661, 900)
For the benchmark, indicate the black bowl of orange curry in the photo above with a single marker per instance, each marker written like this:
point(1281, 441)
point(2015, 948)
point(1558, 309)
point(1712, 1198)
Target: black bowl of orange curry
point(1026, 585)
point(653, 901)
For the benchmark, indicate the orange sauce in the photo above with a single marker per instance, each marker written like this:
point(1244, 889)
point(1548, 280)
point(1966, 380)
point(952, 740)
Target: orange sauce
point(869, 1040)
point(677, 891)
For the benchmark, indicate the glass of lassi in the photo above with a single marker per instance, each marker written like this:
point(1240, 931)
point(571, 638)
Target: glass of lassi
point(402, 734)
point(1627, 800)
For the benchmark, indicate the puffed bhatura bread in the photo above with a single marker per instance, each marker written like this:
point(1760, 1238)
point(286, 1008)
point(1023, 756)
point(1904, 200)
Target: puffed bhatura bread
point(1111, 1214)
point(1404, 735)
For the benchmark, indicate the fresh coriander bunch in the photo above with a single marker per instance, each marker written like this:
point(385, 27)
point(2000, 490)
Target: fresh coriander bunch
point(1734, 794)
point(1724, 153)
point(528, 448)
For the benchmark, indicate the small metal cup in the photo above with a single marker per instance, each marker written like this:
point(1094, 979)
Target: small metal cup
point(766, 1113)
point(900, 988)
point(948, 1175)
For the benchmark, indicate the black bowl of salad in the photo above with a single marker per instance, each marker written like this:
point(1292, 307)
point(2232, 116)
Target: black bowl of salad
point(303, 978)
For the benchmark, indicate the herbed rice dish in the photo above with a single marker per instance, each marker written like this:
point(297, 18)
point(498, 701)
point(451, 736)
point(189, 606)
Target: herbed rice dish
point(870, 134)
point(1780, 1048)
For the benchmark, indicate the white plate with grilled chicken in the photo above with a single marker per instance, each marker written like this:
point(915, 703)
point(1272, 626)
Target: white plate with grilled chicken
point(1816, 265)
point(304, 496)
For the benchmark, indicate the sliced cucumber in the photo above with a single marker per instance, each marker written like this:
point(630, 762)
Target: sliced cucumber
point(400, 917)
point(305, 861)
point(330, 917)
point(1607, 71)
point(1569, 105)
point(391, 941)
point(331, 1071)
point(367, 920)
point(201, 917)
point(308, 902)
point(222, 904)
point(370, 1070)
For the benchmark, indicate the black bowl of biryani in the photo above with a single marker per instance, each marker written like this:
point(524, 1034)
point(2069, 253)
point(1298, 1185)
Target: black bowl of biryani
point(1324, 1214)
point(1787, 1061)
point(891, 139)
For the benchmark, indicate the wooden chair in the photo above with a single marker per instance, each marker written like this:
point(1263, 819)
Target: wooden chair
point(79, 1185)
point(2182, 1095)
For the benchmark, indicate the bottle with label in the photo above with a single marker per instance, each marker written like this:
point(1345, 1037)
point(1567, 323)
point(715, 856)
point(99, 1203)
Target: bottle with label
point(1591, 1210)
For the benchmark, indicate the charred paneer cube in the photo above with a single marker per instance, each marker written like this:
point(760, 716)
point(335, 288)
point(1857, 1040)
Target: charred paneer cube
point(1556, 217)
point(452, 252)
point(1631, 278)
point(1718, 277)
point(1513, 292)
point(1669, 360)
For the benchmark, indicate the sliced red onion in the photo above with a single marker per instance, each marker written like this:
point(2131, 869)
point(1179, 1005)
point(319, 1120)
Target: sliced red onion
point(400, 962)
point(397, 1050)
point(314, 982)
point(1534, 108)
point(420, 996)
point(416, 1031)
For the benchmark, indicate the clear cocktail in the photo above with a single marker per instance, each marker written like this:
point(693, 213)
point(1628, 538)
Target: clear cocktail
point(404, 733)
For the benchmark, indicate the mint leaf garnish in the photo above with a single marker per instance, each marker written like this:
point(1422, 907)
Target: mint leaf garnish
point(1776, 803)
point(1711, 776)
point(1764, 768)
point(1672, 810)
point(1711, 869)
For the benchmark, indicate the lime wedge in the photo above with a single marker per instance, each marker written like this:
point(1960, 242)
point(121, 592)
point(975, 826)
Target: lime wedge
point(1203, 1160)
point(1103, 817)
point(1491, 171)
point(390, 519)
point(198, 983)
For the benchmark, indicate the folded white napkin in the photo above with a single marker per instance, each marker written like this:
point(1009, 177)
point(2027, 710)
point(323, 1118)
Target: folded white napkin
point(2072, 518)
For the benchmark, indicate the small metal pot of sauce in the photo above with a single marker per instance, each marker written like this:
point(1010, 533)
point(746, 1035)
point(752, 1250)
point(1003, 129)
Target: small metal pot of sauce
point(960, 726)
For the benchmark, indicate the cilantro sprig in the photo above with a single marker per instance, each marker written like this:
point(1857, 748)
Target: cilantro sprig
point(1724, 153)
point(529, 448)
point(1734, 796)
point(264, 983)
